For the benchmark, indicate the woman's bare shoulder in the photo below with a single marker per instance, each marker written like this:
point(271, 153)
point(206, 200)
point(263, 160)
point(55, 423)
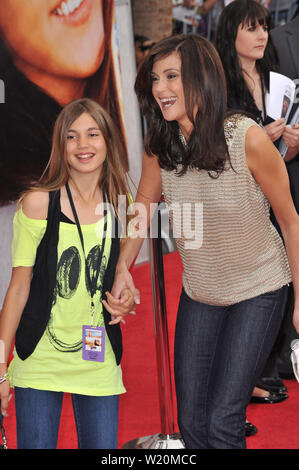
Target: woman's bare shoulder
point(35, 204)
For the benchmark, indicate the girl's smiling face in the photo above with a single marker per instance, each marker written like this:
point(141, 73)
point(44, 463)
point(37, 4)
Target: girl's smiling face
point(85, 146)
point(64, 38)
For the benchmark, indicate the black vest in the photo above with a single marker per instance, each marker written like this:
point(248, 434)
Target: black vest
point(37, 310)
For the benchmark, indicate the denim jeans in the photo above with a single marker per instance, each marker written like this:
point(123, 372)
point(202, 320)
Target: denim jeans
point(219, 353)
point(38, 417)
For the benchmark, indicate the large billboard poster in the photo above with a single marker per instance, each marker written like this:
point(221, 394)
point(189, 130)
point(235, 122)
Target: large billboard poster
point(51, 52)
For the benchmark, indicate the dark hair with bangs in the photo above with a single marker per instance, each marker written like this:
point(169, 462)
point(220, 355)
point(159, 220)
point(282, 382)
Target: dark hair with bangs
point(205, 89)
point(244, 12)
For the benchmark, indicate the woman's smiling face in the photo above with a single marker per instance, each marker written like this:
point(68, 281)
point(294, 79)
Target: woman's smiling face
point(168, 90)
point(64, 38)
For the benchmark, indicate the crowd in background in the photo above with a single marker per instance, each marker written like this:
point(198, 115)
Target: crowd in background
point(202, 16)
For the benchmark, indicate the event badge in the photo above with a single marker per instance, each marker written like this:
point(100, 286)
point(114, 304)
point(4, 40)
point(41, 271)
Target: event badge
point(93, 343)
point(93, 337)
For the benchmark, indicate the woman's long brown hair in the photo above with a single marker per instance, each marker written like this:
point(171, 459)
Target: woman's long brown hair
point(204, 86)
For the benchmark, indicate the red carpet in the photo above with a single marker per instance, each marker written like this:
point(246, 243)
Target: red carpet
point(278, 424)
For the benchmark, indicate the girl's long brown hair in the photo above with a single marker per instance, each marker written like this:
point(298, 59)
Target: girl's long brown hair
point(113, 176)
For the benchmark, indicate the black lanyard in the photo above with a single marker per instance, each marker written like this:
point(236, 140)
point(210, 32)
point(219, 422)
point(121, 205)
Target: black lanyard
point(92, 285)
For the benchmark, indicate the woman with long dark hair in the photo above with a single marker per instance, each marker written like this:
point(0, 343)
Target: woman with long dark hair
point(208, 165)
point(64, 256)
point(248, 55)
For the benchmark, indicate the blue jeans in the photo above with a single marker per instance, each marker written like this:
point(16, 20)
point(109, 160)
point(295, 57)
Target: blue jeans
point(38, 416)
point(219, 354)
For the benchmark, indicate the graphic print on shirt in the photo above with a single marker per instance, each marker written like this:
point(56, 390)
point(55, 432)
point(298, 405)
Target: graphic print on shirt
point(69, 272)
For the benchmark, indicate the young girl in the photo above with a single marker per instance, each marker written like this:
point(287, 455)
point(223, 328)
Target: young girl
point(85, 169)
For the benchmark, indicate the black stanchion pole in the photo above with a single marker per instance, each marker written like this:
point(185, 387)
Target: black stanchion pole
point(167, 439)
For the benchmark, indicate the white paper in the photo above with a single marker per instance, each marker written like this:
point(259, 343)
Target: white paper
point(281, 96)
point(188, 16)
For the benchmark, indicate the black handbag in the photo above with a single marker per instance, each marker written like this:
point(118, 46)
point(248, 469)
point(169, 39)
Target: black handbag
point(37, 310)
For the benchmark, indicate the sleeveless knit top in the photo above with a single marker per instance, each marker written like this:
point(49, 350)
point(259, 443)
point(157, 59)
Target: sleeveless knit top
point(229, 248)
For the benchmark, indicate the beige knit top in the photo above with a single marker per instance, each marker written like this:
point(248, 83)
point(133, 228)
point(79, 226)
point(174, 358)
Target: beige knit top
point(229, 248)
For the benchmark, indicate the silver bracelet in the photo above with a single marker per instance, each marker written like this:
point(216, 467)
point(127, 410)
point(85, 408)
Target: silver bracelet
point(3, 378)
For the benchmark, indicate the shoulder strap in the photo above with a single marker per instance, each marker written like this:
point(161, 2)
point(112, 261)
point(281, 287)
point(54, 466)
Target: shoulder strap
point(54, 202)
point(53, 210)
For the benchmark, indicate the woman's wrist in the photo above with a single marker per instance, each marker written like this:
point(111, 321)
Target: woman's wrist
point(121, 267)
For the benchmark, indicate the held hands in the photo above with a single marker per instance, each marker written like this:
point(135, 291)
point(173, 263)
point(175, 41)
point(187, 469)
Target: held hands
point(123, 296)
point(120, 307)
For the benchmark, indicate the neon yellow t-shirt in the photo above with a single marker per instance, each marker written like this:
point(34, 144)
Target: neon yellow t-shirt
point(57, 364)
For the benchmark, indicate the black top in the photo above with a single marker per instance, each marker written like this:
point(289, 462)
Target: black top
point(256, 114)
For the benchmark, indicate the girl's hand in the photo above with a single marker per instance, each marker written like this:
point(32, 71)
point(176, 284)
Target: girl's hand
point(275, 129)
point(119, 308)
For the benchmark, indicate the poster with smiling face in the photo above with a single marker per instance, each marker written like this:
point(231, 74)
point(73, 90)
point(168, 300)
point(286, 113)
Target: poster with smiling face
point(51, 52)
